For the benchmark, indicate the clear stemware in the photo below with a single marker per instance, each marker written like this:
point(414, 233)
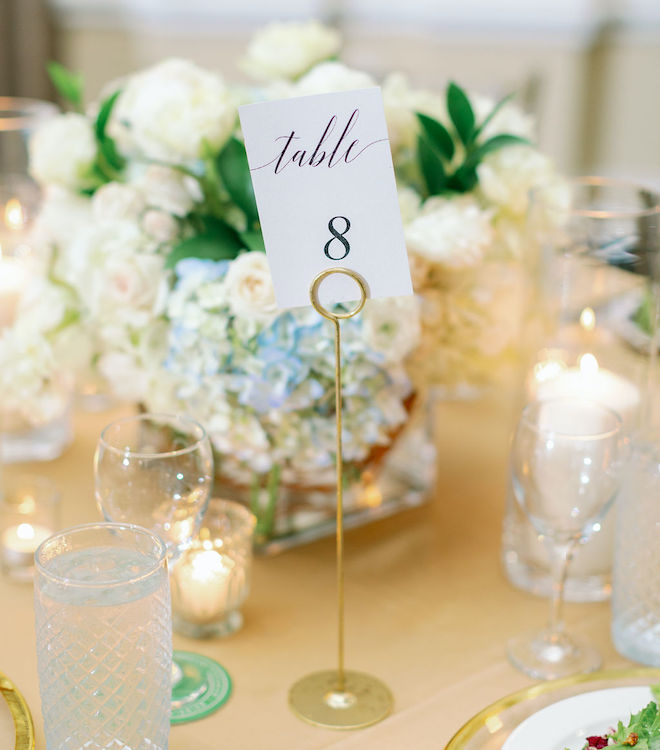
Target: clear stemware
point(565, 462)
point(156, 470)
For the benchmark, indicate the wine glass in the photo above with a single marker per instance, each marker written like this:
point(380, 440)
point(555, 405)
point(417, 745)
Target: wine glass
point(565, 464)
point(156, 470)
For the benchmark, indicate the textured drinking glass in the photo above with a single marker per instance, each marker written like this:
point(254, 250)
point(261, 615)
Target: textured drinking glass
point(104, 638)
point(635, 584)
point(155, 470)
point(212, 579)
point(565, 464)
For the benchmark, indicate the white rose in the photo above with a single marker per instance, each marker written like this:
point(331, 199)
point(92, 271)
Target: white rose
point(287, 50)
point(169, 110)
point(62, 151)
point(117, 201)
point(126, 284)
point(454, 233)
point(166, 189)
point(392, 327)
point(507, 175)
point(161, 226)
point(332, 76)
point(250, 287)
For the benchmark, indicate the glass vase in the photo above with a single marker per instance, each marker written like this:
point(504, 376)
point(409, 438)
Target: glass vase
point(588, 336)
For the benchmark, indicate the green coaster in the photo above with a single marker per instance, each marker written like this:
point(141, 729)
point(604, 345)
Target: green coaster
point(204, 687)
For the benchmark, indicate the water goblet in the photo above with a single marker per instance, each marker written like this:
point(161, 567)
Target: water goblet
point(156, 470)
point(566, 459)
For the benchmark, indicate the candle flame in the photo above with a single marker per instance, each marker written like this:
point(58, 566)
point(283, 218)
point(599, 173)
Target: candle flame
point(25, 531)
point(588, 364)
point(588, 319)
point(208, 565)
point(14, 216)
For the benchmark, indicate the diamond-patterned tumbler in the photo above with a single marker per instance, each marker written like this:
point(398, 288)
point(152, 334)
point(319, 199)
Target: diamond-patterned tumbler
point(104, 638)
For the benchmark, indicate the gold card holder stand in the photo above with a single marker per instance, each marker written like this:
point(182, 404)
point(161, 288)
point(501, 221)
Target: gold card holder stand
point(340, 698)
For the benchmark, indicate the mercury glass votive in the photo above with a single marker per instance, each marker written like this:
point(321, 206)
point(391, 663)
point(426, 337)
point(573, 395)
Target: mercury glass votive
point(212, 579)
point(29, 514)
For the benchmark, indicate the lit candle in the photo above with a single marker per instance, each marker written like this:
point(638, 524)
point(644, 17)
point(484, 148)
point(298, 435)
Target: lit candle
point(14, 277)
point(204, 583)
point(20, 542)
point(593, 383)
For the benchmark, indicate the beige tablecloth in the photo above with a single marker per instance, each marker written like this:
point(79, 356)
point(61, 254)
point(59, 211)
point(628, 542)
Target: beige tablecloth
point(427, 607)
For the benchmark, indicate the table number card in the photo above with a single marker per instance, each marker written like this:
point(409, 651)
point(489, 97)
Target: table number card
point(325, 189)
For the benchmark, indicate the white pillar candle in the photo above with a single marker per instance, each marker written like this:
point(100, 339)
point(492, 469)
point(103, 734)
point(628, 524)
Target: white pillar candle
point(20, 542)
point(592, 383)
point(203, 580)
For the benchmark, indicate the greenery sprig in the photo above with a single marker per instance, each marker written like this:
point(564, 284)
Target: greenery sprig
point(438, 146)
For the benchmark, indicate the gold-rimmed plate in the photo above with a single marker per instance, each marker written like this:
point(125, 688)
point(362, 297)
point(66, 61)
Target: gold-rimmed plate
point(20, 714)
point(490, 728)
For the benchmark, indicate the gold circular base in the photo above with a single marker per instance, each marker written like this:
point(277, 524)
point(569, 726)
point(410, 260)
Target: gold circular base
point(364, 701)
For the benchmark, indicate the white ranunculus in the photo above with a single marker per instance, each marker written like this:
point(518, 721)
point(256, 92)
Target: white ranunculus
point(327, 77)
point(62, 151)
point(168, 111)
point(160, 225)
point(506, 176)
point(117, 201)
point(392, 326)
point(165, 189)
point(287, 50)
point(250, 287)
point(454, 233)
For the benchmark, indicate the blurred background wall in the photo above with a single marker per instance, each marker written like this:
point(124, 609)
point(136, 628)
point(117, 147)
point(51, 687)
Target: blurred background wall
point(589, 69)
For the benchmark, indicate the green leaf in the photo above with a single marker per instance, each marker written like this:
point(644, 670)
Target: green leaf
point(464, 179)
point(104, 115)
point(69, 85)
point(494, 144)
point(461, 113)
point(492, 114)
point(232, 165)
point(438, 135)
point(253, 240)
point(430, 163)
point(204, 246)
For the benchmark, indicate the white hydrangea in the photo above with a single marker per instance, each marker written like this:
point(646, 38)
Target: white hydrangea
point(250, 287)
point(168, 111)
point(454, 233)
point(62, 151)
point(287, 50)
point(61, 216)
point(392, 326)
point(507, 175)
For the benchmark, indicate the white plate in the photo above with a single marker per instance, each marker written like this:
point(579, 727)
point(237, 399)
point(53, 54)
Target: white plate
point(567, 723)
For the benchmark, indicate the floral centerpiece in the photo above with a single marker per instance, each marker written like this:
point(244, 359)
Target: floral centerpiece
point(155, 275)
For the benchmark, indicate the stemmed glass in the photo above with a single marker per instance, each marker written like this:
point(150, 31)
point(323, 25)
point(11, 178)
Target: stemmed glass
point(156, 470)
point(565, 464)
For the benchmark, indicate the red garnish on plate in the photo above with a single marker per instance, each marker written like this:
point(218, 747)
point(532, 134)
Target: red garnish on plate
point(597, 741)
